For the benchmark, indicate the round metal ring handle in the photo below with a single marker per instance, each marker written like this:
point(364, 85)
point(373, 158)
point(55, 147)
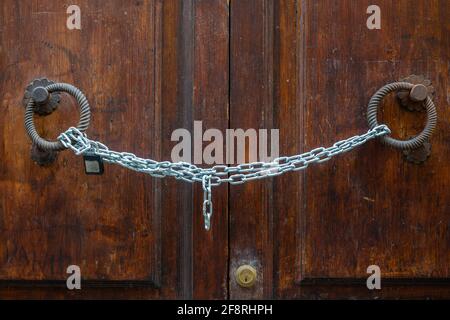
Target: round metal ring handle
point(418, 140)
point(83, 124)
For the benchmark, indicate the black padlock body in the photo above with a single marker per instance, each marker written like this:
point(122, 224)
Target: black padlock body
point(93, 164)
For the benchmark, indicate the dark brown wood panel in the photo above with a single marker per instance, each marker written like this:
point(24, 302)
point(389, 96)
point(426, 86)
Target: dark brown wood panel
point(210, 105)
point(148, 67)
point(138, 63)
point(371, 206)
point(251, 107)
point(288, 118)
point(314, 234)
point(53, 217)
point(176, 198)
point(156, 64)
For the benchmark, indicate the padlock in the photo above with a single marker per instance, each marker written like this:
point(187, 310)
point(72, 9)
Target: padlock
point(93, 164)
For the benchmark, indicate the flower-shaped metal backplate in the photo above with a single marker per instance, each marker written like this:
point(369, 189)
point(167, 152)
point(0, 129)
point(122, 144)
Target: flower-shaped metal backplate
point(42, 157)
point(47, 107)
point(419, 155)
point(404, 95)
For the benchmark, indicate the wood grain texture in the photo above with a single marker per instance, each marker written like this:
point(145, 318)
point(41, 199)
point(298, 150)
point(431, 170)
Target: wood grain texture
point(288, 118)
point(176, 227)
point(54, 217)
point(315, 233)
point(132, 60)
point(305, 67)
point(371, 206)
point(251, 106)
point(210, 105)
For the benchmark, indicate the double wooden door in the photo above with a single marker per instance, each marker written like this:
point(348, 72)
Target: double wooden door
point(307, 68)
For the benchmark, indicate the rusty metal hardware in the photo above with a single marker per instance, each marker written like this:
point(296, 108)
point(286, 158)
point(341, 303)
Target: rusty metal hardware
point(42, 157)
point(430, 125)
point(245, 276)
point(80, 144)
point(413, 100)
point(83, 124)
point(418, 155)
point(45, 103)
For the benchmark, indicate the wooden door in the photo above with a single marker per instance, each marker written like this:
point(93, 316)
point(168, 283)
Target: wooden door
point(149, 67)
point(309, 68)
point(145, 73)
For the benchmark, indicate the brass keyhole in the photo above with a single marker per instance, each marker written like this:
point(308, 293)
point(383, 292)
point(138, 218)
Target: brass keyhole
point(246, 276)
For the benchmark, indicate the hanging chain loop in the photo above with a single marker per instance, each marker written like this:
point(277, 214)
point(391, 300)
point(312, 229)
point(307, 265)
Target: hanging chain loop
point(80, 144)
point(207, 202)
point(76, 140)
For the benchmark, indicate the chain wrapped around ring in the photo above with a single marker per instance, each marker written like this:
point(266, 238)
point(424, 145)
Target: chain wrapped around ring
point(83, 124)
point(418, 140)
point(76, 140)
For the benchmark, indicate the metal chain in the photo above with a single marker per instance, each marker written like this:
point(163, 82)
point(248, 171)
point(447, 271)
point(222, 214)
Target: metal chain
point(216, 175)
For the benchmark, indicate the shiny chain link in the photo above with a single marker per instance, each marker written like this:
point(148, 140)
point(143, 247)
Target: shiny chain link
point(216, 175)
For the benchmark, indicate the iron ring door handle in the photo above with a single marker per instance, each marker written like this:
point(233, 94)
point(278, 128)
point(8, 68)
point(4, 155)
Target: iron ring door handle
point(416, 141)
point(83, 124)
